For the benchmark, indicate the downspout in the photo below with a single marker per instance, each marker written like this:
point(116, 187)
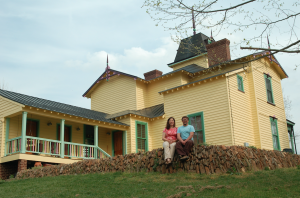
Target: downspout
point(230, 109)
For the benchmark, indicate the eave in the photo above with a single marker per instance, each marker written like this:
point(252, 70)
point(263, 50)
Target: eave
point(77, 119)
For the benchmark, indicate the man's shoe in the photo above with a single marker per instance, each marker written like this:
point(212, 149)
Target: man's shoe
point(184, 157)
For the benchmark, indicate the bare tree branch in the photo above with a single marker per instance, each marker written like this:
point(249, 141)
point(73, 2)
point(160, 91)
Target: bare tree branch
point(221, 10)
point(266, 49)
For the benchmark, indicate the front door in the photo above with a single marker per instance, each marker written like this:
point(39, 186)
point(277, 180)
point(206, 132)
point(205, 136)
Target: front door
point(67, 137)
point(118, 143)
point(31, 130)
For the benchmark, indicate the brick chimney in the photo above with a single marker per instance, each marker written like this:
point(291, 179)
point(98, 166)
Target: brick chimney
point(218, 52)
point(152, 74)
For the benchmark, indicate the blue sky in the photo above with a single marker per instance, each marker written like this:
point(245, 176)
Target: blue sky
point(56, 49)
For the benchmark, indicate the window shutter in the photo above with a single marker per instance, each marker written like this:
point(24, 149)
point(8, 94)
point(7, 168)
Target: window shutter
point(269, 90)
point(141, 137)
point(240, 83)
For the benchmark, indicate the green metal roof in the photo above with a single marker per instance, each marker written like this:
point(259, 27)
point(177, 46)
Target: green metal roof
point(150, 112)
point(56, 106)
point(191, 46)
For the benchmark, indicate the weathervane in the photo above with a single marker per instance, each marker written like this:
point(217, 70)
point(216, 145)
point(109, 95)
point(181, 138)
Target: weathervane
point(107, 70)
point(270, 57)
point(194, 27)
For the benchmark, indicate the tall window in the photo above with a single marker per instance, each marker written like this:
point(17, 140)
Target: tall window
point(198, 123)
point(240, 83)
point(270, 96)
point(141, 136)
point(275, 137)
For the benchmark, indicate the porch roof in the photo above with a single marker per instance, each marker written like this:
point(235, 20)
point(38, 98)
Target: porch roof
point(56, 106)
point(150, 112)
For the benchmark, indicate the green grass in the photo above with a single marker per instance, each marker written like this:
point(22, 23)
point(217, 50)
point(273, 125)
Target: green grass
point(271, 183)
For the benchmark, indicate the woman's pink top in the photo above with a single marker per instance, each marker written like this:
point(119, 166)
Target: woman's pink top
point(171, 134)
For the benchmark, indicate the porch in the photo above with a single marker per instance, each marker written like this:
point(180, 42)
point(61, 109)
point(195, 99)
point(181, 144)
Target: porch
point(37, 137)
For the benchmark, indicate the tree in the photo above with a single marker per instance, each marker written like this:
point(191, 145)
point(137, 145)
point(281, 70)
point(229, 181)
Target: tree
point(277, 19)
point(3, 85)
point(287, 107)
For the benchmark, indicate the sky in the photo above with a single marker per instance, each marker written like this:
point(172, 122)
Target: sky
point(56, 49)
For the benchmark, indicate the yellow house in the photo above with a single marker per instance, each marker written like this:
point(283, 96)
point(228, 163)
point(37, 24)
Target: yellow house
point(229, 102)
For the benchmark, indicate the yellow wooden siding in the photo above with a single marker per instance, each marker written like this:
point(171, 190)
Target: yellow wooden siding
point(118, 94)
point(9, 107)
point(201, 61)
point(216, 71)
point(241, 109)
point(2, 136)
point(185, 79)
point(155, 135)
point(153, 97)
point(105, 140)
point(127, 121)
point(212, 99)
point(254, 112)
point(131, 134)
point(264, 109)
point(141, 95)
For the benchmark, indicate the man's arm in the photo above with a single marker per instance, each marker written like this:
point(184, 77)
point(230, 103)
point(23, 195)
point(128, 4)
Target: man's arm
point(179, 137)
point(190, 137)
point(192, 129)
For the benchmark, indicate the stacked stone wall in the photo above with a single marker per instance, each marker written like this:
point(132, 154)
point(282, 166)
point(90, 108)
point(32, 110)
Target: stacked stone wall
point(203, 160)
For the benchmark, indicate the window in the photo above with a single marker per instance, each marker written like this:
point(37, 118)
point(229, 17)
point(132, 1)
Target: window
point(240, 83)
point(141, 130)
point(275, 137)
point(270, 96)
point(197, 121)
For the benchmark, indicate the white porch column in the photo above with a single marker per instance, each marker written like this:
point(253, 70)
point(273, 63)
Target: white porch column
point(95, 141)
point(62, 138)
point(23, 133)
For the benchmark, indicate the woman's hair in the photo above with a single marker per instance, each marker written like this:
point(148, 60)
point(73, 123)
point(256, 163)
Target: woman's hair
point(168, 124)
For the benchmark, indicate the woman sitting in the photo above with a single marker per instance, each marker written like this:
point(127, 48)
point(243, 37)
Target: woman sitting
point(170, 138)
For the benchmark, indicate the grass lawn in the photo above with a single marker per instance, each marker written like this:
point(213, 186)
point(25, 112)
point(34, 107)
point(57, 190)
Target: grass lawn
point(275, 183)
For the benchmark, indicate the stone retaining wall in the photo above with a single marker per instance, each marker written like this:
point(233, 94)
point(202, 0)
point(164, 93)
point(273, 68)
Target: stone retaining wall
point(203, 160)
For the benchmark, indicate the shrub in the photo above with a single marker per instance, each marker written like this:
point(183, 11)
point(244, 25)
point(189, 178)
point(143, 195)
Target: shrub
point(37, 167)
point(233, 171)
point(267, 168)
point(298, 167)
point(11, 176)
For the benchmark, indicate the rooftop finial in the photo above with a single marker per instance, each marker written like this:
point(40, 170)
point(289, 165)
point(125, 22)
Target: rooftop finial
point(107, 70)
point(194, 27)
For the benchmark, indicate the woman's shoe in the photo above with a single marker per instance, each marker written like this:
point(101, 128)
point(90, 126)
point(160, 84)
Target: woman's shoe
point(168, 161)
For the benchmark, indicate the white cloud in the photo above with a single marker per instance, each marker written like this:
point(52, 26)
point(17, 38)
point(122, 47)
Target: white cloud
point(135, 60)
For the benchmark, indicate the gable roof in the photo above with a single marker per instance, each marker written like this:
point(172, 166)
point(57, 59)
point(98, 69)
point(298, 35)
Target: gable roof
point(198, 42)
point(115, 72)
point(149, 112)
point(56, 106)
point(193, 68)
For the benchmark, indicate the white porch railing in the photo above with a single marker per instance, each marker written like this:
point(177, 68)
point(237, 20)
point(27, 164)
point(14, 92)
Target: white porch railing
point(53, 148)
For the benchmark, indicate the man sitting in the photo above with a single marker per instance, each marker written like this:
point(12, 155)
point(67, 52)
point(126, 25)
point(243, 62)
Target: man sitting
point(185, 135)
